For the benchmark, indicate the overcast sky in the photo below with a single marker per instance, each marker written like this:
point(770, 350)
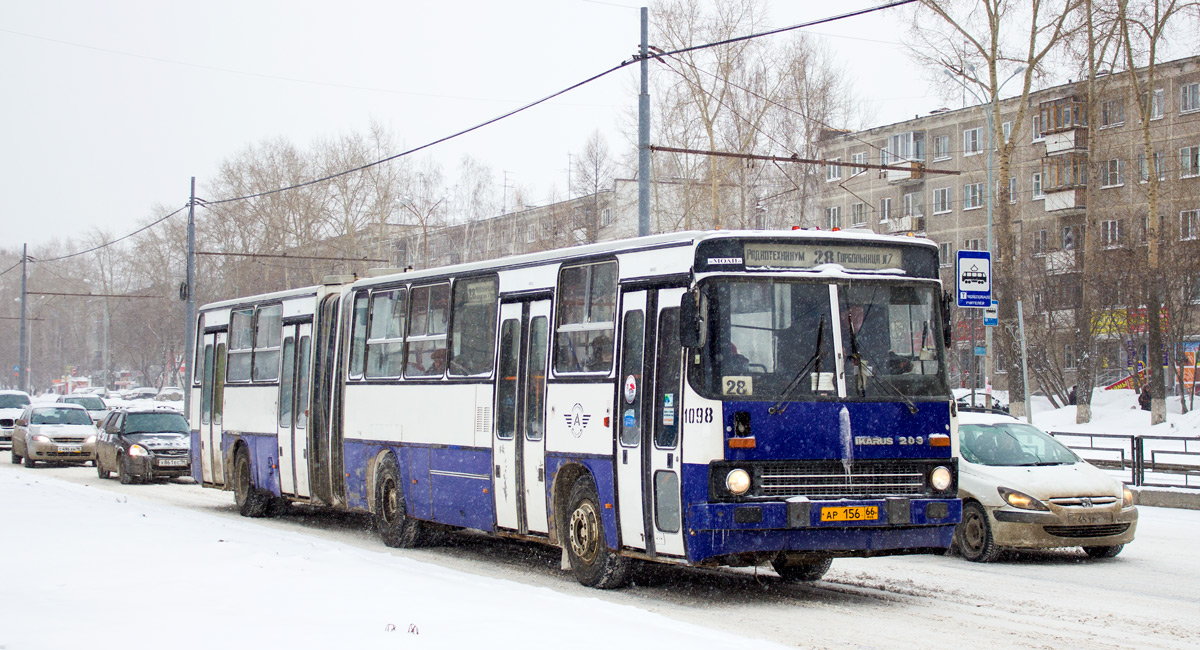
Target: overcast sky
point(111, 107)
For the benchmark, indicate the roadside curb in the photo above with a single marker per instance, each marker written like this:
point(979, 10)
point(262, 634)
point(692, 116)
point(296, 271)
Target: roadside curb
point(1167, 498)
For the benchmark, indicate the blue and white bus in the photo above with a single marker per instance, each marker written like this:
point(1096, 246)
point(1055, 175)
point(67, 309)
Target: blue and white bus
point(703, 398)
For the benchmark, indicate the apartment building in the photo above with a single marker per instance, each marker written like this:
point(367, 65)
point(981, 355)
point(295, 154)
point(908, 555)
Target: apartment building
point(1055, 181)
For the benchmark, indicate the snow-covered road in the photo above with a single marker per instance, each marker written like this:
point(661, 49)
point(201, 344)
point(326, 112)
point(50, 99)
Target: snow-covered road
point(88, 561)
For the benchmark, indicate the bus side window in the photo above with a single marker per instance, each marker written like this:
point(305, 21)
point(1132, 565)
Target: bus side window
point(473, 338)
point(587, 299)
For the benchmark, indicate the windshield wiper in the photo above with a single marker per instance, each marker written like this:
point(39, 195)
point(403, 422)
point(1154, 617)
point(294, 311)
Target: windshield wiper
point(870, 373)
point(795, 383)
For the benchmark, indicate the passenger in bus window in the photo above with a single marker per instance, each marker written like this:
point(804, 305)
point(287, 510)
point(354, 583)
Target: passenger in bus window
point(601, 356)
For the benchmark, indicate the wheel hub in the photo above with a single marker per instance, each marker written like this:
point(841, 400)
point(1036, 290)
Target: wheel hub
point(584, 528)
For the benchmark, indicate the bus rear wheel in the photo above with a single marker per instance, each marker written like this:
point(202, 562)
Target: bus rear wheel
point(592, 562)
point(800, 569)
point(250, 502)
point(395, 527)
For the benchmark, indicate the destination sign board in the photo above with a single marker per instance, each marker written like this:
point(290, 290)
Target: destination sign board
point(807, 256)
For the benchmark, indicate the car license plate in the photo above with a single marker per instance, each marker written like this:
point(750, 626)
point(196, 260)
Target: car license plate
point(70, 449)
point(850, 513)
point(172, 462)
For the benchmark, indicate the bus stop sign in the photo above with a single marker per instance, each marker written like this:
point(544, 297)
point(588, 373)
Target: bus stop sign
point(973, 275)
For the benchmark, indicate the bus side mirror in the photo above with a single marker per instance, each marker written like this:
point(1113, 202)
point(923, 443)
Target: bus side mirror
point(693, 325)
point(947, 332)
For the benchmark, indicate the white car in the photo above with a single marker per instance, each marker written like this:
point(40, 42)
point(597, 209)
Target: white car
point(12, 402)
point(1021, 488)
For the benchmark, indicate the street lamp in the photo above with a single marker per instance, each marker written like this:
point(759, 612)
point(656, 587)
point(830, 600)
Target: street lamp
point(991, 186)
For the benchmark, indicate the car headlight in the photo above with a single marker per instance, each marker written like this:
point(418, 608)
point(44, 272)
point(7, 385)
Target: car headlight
point(138, 451)
point(89, 440)
point(37, 437)
point(940, 478)
point(737, 481)
point(1126, 497)
point(1020, 500)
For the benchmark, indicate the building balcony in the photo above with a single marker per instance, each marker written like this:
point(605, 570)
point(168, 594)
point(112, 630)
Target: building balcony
point(910, 176)
point(898, 225)
point(1066, 201)
point(1071, 141)
point(1059, 262)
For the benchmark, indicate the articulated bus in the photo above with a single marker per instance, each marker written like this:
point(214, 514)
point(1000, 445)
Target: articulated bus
point(701, 398)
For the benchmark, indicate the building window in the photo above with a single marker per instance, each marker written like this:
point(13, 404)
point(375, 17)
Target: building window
point(858, 214)
point(1112, 113)
point(860, 159)
point(1039, 242)
point(941, 200)
point(972, 196)
point(973, 244)
point(945, 254)
point(833, 217)
point(1157, 103)
point(1189, 98)
point(531, 233)
point(1189, 162)
point(885, 209)
point(941, 147)
point(1036, 183)
point(1065, 172)
point(1110, 233)
point(914, 205)
point(1160, 167)
point(1110, 173)
point(972, 141)
point(904, 147)
point(1012, 189)
point(1189, 220)
point(833, 172)
point(1068, 238)
point(606, 217)
point(1068, 357)
point(1144, 234)
point(1035, 126)
point(1006, 129)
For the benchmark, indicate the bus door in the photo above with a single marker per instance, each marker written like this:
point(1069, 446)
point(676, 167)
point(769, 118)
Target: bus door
point(294, 409)
point(519, 440)
point(664, 467)
point(212, 396)
point(631, 415)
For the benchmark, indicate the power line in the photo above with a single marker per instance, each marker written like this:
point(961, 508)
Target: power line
point(106, 245)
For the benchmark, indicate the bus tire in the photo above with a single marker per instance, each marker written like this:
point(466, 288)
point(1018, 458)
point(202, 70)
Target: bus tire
point(395, 527)
point(800, 570)
point(250, 502)
point(592, 562)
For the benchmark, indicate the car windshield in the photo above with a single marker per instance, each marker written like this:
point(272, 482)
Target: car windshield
point(1010, 444)
point(89, 403)
point(155, 423)
point(13, 401)
point(764, 334)
point(60, 416)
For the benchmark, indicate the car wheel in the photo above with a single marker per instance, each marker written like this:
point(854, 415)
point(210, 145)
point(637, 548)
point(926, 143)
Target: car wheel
point(974, 535)
point(593, 564)
point(250, 502)
point(29, 462)
point(1101, 552)
point(793, 570)
point(395, 527)
point(123, 473)
point(100, 471)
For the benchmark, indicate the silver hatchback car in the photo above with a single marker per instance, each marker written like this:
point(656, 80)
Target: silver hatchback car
point(60, 433)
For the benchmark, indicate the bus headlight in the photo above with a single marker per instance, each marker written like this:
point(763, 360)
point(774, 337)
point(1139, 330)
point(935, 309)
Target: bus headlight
point(940, 478)
point(737, 482)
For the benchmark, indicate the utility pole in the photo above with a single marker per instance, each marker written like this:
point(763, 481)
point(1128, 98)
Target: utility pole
point(644, 132)
point(189, 337)
point(23, 354)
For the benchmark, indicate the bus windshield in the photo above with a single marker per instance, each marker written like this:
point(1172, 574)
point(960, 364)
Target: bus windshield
point(773, 339)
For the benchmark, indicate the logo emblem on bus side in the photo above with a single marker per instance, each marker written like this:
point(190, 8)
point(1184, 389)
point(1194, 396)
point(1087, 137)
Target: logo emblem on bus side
point(577, 420)
point(630, 388)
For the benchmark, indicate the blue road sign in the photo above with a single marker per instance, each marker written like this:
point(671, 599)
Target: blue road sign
point(991, 315)
point(973, 279)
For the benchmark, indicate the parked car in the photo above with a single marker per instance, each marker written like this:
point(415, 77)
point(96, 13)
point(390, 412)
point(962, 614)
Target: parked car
point(143, 443)
point(170, 394)
point(61, 433)
point(95, 406)
point(12, 402)
point(142, 392)
point(1021, 488)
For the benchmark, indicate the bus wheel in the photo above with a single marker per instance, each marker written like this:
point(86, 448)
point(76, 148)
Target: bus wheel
point(593, 564)
point(395, 527)
point(800, 570)
point(250, 502)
